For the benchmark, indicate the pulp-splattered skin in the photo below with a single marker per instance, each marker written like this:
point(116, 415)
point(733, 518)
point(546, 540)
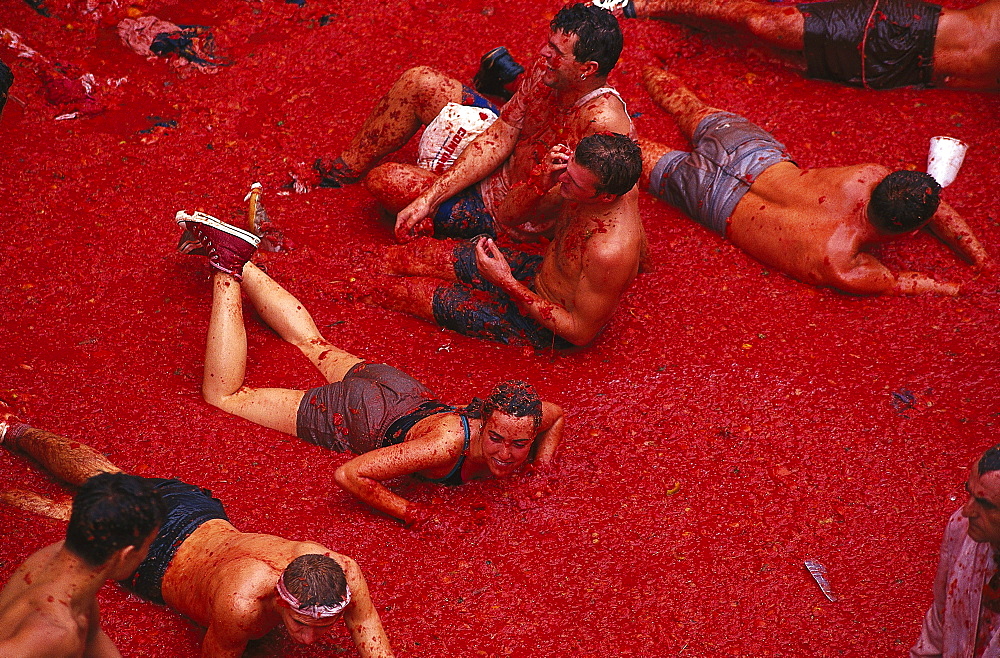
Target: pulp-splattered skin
point(966, 45)
point(813, 224)
point(219, 577)
point(499, 444)
point(540, 115)
point(596, 250)
point(49, 606)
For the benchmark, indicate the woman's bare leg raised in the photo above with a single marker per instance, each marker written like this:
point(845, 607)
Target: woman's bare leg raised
point(225, 365)
point(281, 311)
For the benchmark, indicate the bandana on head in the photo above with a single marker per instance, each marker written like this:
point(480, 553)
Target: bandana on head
point(314, 611)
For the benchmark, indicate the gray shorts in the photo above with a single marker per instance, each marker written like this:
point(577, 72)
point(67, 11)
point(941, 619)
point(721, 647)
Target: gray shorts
point(355, 413)
point(729, 153)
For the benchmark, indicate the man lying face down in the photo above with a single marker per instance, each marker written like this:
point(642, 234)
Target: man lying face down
point(238, 585)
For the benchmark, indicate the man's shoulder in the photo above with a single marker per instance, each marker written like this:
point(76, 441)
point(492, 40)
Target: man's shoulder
point(31, 626)
point(605, 113)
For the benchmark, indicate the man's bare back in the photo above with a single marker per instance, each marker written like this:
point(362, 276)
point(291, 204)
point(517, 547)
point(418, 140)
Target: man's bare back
point(812, 224)
point(967, 48)
point(962, 51)
point(224, 579)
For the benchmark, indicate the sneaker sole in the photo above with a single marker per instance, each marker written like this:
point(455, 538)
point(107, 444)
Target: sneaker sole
point(201, 218)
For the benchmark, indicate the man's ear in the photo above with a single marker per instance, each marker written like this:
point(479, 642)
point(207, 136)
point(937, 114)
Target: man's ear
point(606, 197)
point(590, 68)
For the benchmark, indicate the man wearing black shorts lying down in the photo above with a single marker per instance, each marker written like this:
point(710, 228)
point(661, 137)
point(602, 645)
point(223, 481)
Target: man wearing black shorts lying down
point(877, 44)
point(238, 585)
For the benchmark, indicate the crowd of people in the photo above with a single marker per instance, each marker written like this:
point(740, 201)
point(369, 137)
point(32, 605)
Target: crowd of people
point(559, 161)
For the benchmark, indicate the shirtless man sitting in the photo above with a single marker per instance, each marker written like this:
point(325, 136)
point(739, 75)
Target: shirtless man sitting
point(812, 224)
point(239, 585)
point(562, 98)
point(905, 42)
point(560, 300)
point(49, 606)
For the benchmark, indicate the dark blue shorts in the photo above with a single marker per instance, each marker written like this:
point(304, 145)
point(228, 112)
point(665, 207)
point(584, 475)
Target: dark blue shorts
point(464, 215)
point(188, 507)
point(475, 307)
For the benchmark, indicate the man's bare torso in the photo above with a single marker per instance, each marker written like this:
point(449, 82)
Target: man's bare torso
point(219, 568)
point(967, 48)
point(552, 118)
point(582, 230)
point(809, 224)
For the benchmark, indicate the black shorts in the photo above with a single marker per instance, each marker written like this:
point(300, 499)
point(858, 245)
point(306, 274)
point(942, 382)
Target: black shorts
point(188, 507)
point(475, 307)
point(897, 35)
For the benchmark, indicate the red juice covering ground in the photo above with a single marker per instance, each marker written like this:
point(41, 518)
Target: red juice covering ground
point(729, 423)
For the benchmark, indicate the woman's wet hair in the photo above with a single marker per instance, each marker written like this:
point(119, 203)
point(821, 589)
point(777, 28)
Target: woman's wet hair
point(514, 398)
point(599, 37)
point(110, 512)
point(615, 159)
point(903, 202)
point(315, 579)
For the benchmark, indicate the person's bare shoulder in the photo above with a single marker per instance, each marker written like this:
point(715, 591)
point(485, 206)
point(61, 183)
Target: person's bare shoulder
point(605, 113)
point(41, 628)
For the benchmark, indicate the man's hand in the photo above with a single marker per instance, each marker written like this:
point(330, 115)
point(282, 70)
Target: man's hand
point(492, 265)
point(548, 172)
point(415, 220)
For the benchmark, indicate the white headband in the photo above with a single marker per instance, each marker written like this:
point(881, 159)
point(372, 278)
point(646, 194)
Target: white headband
point(314, 611)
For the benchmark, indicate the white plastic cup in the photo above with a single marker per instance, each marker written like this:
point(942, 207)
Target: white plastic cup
point(944, 159)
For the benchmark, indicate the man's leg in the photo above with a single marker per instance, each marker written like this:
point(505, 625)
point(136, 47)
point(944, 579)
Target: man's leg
point(70, 461)
point(669, 92)
point(423, 257)
point(781, 26)
point(407, 294)
point(289, 318)
point(395, 185)
point(412, 101)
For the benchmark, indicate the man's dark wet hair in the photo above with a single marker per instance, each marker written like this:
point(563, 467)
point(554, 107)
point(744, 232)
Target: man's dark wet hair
point(615, 159)
point(315, 579)
point(6, 80)
point(990, 461)
point(903, 202)
point(110, 512)
point(599, 37)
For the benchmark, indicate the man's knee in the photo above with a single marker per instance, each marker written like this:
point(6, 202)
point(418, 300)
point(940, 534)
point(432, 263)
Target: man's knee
point(395, 185)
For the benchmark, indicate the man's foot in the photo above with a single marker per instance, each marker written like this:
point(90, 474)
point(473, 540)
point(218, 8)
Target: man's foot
point(228, 247)
point(497, 69)
point(9, 423)
point(335, 173)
